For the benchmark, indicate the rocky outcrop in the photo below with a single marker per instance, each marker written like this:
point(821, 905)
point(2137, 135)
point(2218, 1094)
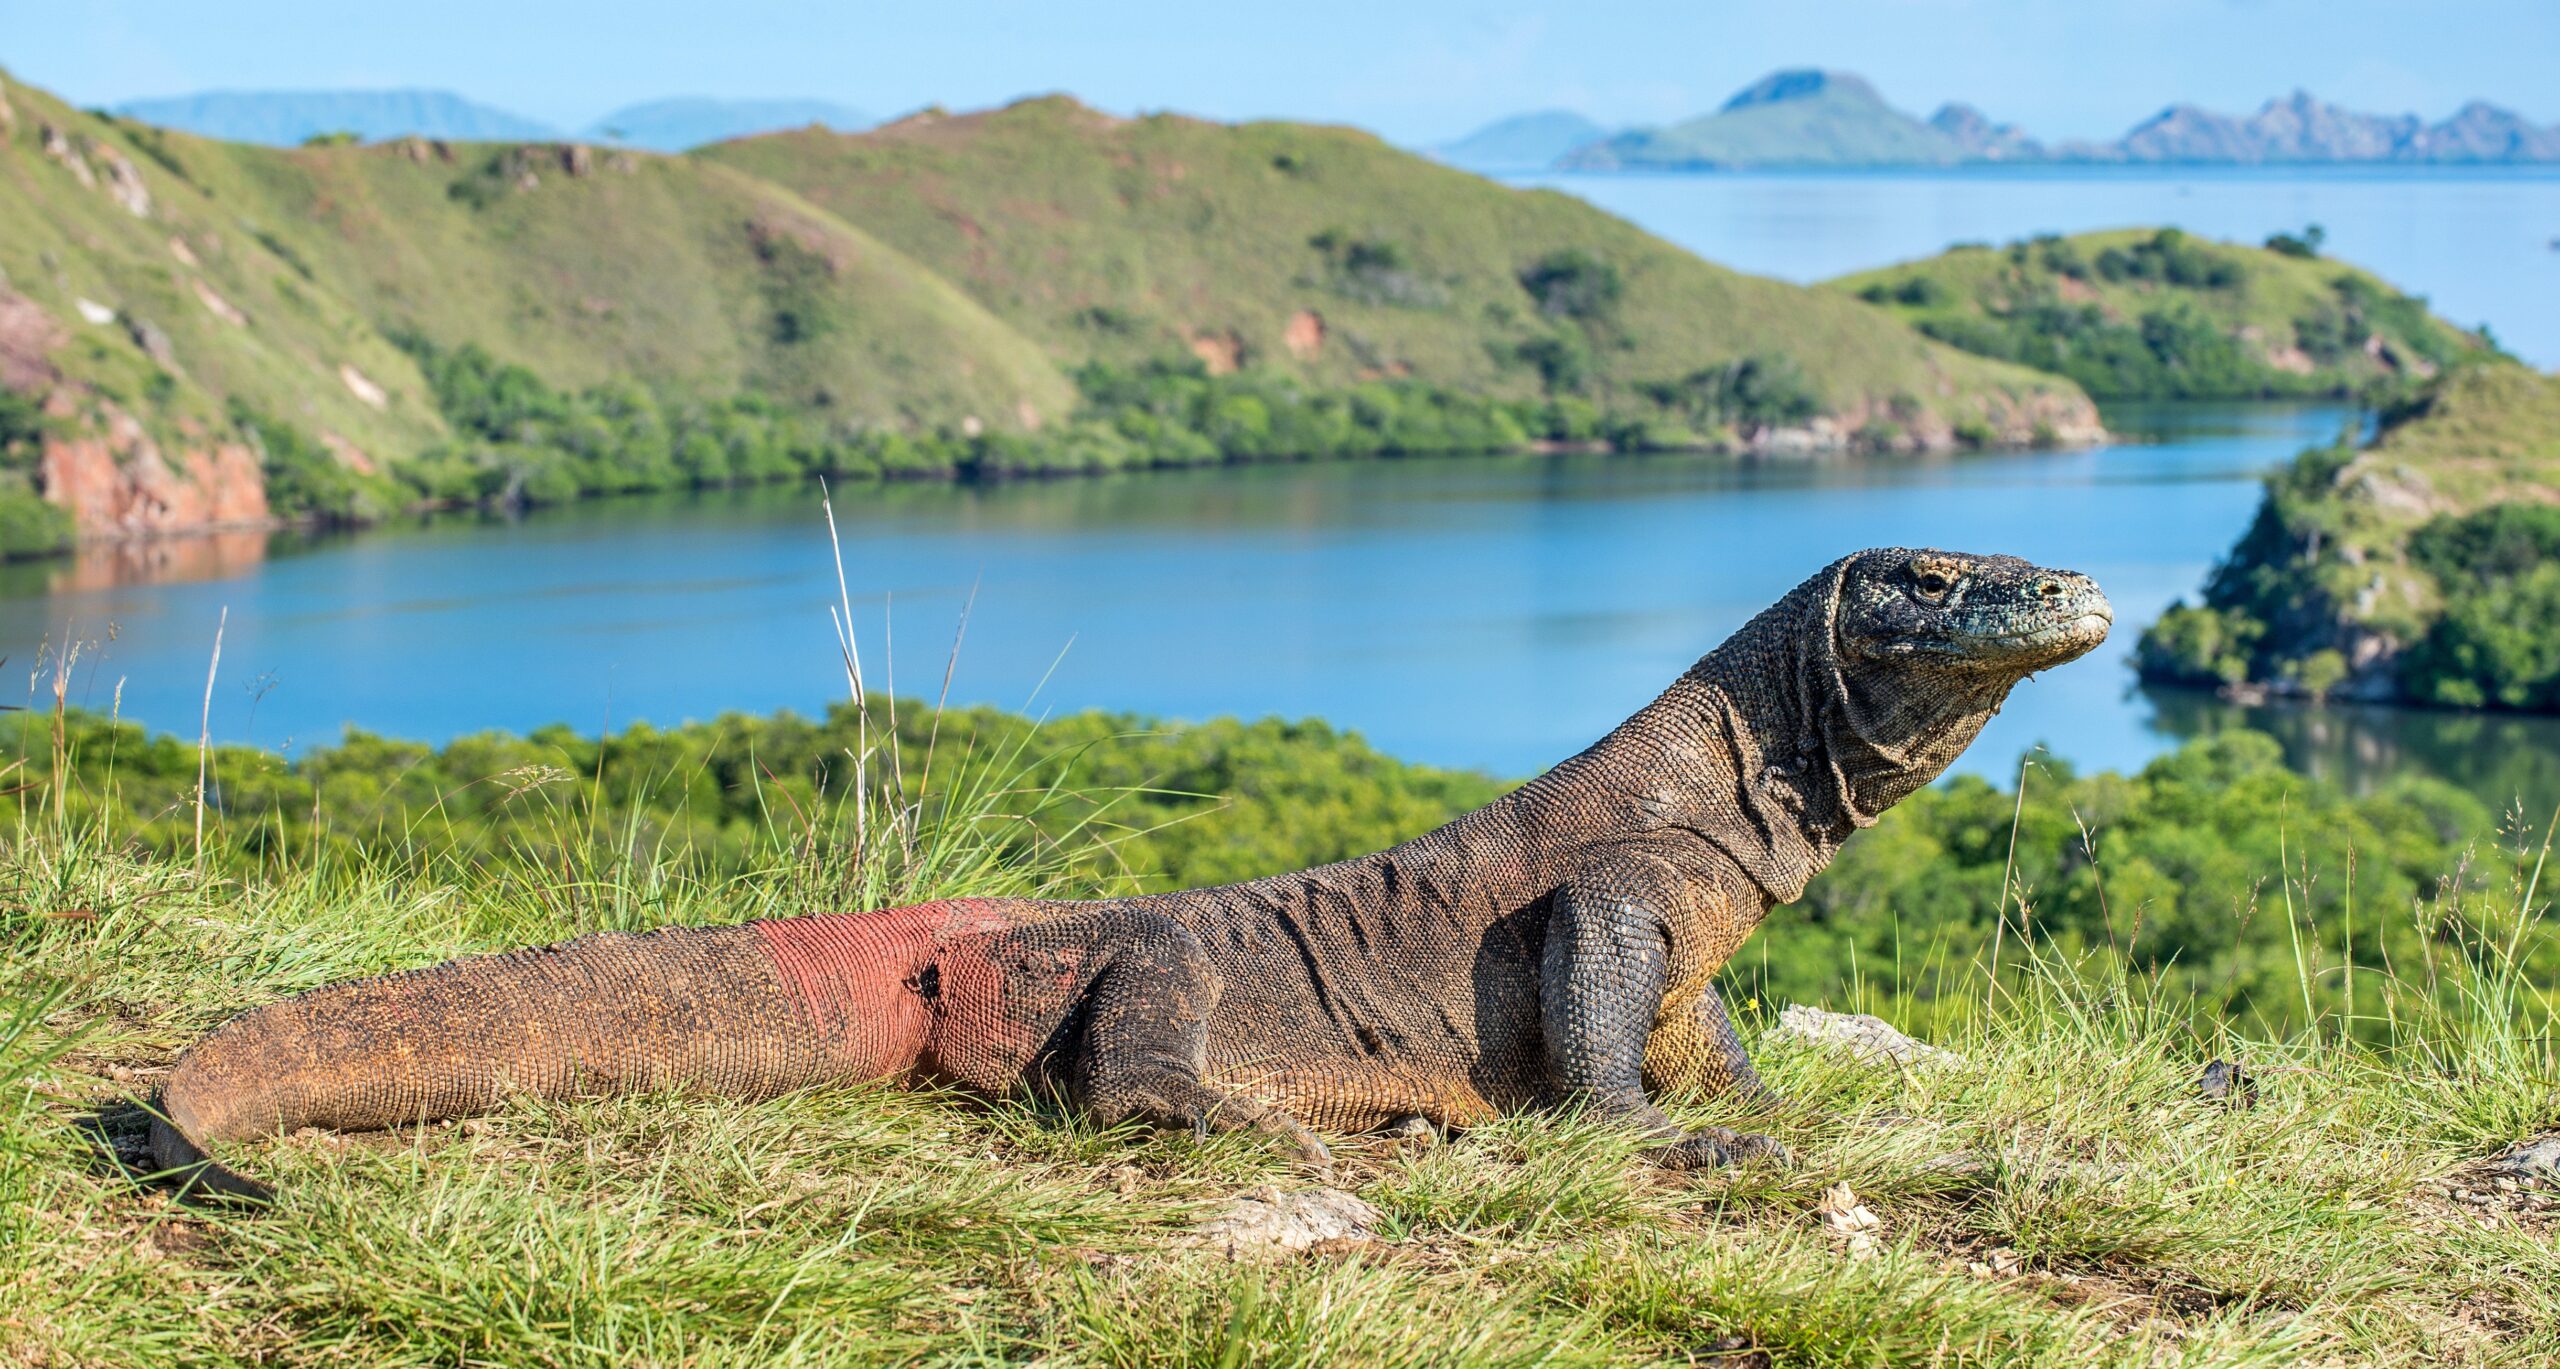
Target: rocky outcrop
point(1304, 336)
point(123, 180)
point(118, 482)
point(2041, 419)
point(57, 145)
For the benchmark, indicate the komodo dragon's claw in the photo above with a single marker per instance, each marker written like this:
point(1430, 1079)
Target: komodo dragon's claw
point(1719, 1148)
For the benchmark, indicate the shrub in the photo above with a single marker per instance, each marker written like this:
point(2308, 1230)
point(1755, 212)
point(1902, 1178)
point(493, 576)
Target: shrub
point(1574, 284)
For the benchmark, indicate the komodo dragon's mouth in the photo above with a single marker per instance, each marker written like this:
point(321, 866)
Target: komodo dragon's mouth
point(2059, 641)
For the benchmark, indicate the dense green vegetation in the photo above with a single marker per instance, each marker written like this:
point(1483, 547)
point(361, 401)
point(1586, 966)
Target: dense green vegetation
point(2497, 640)
point(518, 441)
point(2057, 1196)
point(2165, 315)
point(2419, 568)
point(2163, 874)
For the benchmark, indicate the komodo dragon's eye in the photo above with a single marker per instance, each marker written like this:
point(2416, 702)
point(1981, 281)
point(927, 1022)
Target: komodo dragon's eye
point(1932, 583)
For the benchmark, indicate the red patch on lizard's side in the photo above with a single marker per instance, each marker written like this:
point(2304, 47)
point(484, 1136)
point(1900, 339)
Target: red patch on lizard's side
point(856, 975)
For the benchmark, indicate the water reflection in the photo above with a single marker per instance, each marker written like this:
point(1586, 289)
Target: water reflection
point(160, 561)
point(2504, 760)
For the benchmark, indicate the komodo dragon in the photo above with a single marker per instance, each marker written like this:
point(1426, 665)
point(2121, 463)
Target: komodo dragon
point(1555, 946)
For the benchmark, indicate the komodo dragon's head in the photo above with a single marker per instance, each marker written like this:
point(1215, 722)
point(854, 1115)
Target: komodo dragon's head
point(1964, 622)
point(1869, 680)
point(1854, 692)
point(1924, 646)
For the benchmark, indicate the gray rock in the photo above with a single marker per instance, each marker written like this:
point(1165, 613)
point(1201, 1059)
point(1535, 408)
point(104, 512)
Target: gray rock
point(1867, 1039)
point(2538, 1158)
point(2228, 1084)
point(1265, 1222)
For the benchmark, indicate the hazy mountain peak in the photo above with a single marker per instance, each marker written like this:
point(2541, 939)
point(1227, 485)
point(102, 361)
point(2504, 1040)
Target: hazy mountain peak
point(1802, 83)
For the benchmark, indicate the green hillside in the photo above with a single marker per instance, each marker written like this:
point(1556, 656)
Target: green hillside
point(2159, 314)
point(1788, 118)
point(234, 308)
point(1325, 253)
point(196, 333)
point(133, 299)
point(2423, 567)
point(590, 265)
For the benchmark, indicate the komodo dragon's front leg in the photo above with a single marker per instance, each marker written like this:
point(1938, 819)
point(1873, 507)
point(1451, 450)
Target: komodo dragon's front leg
point(1607, 969)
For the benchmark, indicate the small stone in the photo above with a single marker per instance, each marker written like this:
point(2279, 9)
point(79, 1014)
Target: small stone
point(2226, 1083)
point(1870, 1040)
point(1264, 1222)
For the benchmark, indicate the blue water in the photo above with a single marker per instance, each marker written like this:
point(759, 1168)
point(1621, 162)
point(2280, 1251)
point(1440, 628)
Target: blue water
point(2478, 243)
point(1491, 612)
point(1496, 612)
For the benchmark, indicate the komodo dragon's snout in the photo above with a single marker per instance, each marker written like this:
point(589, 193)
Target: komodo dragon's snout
point(1558, 945)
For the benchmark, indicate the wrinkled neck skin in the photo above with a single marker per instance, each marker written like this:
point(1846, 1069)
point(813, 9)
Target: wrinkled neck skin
point(1779, 743)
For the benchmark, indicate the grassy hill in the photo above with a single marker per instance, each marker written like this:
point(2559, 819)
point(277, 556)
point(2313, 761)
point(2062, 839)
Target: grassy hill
point(2423, 567)
point(1325, 253)
point(589, 265)
point(137, 308)
point(2157, 313)
point(2061, 1194)
point(1789, 118)
point(196, 333)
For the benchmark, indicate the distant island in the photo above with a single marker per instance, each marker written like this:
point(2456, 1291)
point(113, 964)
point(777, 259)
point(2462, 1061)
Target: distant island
point(290, 118)
point(1811, 118)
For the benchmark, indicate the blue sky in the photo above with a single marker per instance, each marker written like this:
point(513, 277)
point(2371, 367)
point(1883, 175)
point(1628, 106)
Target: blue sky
point(1418, 71)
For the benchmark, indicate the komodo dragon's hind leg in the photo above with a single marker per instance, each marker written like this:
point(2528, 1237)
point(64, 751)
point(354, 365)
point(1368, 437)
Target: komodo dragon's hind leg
point(1606, 969)
point(1145, 1048)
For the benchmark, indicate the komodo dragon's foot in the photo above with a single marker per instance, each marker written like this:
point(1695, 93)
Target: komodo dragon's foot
point(1718, 1148)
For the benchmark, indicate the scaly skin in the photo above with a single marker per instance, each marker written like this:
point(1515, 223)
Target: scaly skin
point(1555, 946)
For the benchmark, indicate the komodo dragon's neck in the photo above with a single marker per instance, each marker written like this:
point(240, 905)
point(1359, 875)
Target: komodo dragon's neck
point(1772, 749)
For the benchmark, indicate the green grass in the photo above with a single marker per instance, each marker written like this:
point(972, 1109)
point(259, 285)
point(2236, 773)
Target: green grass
point(2159, 314)
point(2059, 1198)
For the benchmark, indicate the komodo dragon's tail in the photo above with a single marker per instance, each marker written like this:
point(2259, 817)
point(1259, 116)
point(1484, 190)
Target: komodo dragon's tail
point(746, 1011)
